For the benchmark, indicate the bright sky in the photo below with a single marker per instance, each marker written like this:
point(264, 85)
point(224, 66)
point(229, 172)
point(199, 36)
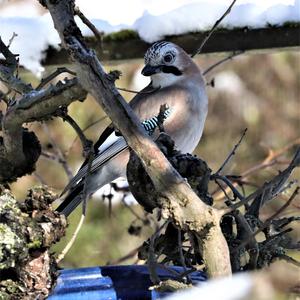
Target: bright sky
point(135, 8)
point(126, 12)
point(152, 19)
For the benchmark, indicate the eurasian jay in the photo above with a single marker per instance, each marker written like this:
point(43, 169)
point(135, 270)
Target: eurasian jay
point(175, 81)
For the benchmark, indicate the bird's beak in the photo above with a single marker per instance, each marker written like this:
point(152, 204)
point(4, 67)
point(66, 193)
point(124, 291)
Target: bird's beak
point(150, 70)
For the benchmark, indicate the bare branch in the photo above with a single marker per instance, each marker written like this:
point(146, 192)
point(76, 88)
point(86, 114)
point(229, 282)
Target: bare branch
point(269, 220)
point(86, 128)
point(69, 245)
point(86, 143)
point(85, 196)
point(272, 159)
point(14, 35)
point(187, 210)
point(89, 24)
point(10, 61)
point(152, 262)
point(213, 29)
point(218, 63)
point(179, 241)
point(49, 78)
point(270, 189)
point(33, 106)
point(290, 260)
point(232, 152)
point(129, 255)
point(59, 156)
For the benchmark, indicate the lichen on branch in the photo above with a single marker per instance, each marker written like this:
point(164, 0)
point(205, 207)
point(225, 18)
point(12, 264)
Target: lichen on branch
point(27, 231)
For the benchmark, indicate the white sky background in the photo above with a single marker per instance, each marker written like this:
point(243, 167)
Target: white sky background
point(114, 10)
point(126, 12)
point(152, 19)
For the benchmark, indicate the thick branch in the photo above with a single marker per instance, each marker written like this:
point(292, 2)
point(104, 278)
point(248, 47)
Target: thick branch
point(179, 201)
point(7, 70)
point(34, 106)
point(127, 45)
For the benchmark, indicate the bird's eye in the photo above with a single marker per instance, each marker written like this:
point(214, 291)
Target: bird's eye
point(168, 58)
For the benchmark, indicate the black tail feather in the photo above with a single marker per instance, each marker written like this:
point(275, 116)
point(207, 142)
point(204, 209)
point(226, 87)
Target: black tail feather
point(72, 200)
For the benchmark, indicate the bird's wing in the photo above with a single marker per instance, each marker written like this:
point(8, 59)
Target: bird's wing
point(108, 146)
point(147, 105)
point(116, 146)
point(175, 97)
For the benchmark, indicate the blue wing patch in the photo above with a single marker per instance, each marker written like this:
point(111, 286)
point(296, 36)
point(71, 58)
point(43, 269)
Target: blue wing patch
point(151, 124)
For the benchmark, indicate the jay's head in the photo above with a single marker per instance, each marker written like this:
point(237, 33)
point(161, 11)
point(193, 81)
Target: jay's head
point(166, 63)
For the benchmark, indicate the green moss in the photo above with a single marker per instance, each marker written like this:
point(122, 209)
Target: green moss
point(4, 296)
point(10, 246)
point(34, 244)
point(123, 35)
point(24, 226)
point(291, 24)
point(10, 289)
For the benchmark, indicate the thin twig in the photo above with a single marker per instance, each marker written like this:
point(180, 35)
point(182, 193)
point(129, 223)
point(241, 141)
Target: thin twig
point(49, 78)
point(152, 257)
point(86, 143)
point(132, 210)
point(269, 161)
point(229, 200)
point(179, 242)
point(85, 129)
point(11, 60)
point(171, 271)
point(61, 158)
point(231, 56)
point(72, 240)
point(14, 35)
point(129, 255)
point(140, 92)
point(89, 24)
point(85, 198)
point(289, 260)
point(127, 90)
point(152, 262)
point(253, 248)
point(232, 152)
point(235, 192)
point(39, 178)
point(213, 29)
point(272, 188)
point(270, 219)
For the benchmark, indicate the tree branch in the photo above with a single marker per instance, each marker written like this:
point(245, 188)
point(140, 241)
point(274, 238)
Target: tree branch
point(33, 106)
point(7, 70)
point(179, 201)
point(270, 189)
point(58, 71)
point(215, 26)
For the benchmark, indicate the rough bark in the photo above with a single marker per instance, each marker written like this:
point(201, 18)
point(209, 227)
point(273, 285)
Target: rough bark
point(127, 45)
point(180, 202)
point(27, 231)
point(19, 149)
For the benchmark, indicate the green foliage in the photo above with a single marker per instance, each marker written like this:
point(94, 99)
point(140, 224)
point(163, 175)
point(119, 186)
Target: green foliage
point(122, 35)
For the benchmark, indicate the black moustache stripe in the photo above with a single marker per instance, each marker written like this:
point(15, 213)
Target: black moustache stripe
point(171, 69)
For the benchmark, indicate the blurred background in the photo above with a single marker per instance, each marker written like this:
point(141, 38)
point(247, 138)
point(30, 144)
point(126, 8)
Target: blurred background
point(258, 90)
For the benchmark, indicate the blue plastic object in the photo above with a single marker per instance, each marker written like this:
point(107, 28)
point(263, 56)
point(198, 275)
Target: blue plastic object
point(112, 282)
